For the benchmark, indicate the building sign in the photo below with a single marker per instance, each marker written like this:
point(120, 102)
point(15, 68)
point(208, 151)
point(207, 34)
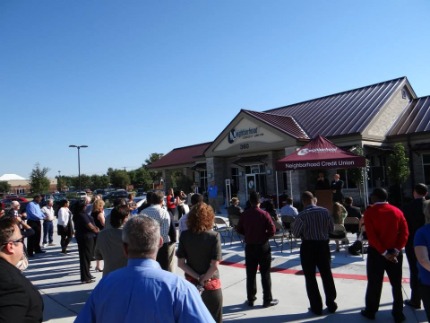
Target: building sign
point(339, 163)
point(245, 135)
point(305, 151)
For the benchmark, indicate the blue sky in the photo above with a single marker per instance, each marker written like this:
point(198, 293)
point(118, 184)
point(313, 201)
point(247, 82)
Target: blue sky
point(130, 78)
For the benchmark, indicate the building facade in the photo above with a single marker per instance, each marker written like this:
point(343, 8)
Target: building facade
point(373, 118)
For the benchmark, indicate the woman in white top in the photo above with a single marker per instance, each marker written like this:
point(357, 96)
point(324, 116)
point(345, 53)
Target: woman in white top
point(65, 225)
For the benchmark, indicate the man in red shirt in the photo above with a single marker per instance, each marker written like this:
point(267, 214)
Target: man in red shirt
point(387, 233)
point(257, 227)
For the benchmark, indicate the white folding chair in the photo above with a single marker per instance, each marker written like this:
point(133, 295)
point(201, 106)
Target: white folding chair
point(224, 228)
point(288, 223)
point(279, 234)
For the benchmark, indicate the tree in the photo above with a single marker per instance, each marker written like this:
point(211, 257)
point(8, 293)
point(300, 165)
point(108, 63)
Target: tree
point(398, 172)
point(39, 182)
point(155, 176)
point(153, 157)
point(99, 181)
point(4, 187)
point(141, 178)
point(119, 178)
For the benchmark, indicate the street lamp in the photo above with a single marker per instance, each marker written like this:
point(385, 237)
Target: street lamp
point(59, 184)
point(79, 160)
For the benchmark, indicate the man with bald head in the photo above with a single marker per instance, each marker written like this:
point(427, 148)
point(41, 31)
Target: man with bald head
point(313, 225)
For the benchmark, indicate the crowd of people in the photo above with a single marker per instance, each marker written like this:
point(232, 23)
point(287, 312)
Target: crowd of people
point(135, 249)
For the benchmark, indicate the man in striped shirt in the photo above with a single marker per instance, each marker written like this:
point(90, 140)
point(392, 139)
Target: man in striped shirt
point(162, 216)
point(313, 225)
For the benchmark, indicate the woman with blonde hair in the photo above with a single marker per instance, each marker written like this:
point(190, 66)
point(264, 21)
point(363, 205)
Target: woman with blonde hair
point(98, 214)
point(199, 254)
point(339, 214)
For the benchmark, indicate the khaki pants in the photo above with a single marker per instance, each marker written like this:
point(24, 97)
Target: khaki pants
point(165, 256)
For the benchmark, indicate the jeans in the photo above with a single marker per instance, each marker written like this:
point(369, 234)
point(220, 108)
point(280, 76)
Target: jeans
point(48, 232)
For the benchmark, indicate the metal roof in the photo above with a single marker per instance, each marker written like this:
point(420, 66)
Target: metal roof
point(181, 156)
point(342, 113)
point(416, 118)
point(286, 124)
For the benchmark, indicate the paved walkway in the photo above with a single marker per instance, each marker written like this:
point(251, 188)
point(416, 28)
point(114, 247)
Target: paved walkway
point(57, 277)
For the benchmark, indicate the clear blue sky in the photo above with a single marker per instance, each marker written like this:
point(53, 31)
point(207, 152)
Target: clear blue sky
point(130, 78)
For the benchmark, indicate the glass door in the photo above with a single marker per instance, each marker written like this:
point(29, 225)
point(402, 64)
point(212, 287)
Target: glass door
point(250, 184)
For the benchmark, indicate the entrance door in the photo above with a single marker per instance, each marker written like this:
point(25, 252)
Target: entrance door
point(251, 184)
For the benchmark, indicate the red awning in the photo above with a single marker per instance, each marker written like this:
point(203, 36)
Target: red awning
point(320, 153)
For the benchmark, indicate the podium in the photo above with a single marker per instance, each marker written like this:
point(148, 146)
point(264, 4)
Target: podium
point(325, 199)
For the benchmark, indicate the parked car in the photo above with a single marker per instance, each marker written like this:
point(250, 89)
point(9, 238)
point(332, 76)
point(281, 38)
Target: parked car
point(15, 198)
point(115, 195)
point(140, 191)
point(81, 194)
point(99, 191)
point(139, 200)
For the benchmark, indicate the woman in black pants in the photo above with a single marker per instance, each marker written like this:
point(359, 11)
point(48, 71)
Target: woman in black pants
point(64, 225)
point(85, 232)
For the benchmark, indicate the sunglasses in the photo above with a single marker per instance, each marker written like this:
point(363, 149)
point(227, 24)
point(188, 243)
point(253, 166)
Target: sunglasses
point(15, 241)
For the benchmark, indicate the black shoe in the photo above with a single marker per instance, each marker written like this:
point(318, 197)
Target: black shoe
point(398, 318)
point(251, 302)
point(87, 281)
point(332, 308)
point(92, 277)
point(365, 313)
point(273, 302)
point(412, 304)
point(41, 251)
point(316, 311)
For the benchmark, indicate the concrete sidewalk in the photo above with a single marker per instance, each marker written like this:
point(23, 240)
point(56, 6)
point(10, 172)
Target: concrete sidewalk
point(57, 277)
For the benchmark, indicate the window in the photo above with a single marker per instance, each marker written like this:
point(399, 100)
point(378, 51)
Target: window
point(426, 166)
point(377, 173)
point(203, 183)
point(255, 169)
point(285, 179)
point(234, 181)
point(348, 177)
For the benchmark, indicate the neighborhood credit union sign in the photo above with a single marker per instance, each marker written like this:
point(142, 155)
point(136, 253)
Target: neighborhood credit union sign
point(244, 133)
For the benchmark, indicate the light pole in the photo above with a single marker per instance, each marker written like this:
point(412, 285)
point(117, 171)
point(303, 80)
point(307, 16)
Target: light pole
point(59, 181)
point(79, 160)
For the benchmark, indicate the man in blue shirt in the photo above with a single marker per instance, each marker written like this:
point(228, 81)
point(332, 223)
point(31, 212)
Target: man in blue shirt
point(34, 216)
point(422, 252)
point(142, 291)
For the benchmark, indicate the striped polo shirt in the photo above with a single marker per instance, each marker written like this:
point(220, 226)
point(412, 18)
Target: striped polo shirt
point(313, 223)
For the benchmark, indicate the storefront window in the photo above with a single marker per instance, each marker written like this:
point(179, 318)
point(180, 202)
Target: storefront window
point(234, 181)
point(426, 165)
point(349, 177)
point(255, 169)
point(377, 175)
point(203, 183)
